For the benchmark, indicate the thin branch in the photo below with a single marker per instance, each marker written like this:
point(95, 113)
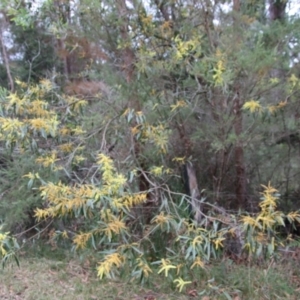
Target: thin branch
point(31, 62)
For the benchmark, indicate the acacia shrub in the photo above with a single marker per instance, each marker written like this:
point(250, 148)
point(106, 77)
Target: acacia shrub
point(169, 244)
point(37, 128)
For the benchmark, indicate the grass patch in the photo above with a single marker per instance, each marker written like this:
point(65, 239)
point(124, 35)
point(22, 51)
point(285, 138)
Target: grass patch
point(56, 275)
point(265, 281)
point(43, 278)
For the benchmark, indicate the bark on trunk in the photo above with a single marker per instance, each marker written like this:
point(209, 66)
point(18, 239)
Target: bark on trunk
point(236, 5)
point(193, 191)
point(128, 68)
point(5, 55)
point(128, 55)
point(277, 9)
point(239, 155)
point(240, 170)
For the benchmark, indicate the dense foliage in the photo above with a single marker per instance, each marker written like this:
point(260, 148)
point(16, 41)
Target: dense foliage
point(104, 103)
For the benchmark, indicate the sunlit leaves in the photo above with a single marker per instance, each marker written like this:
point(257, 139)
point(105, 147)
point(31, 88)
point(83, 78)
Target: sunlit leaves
point(46, 85)
point(41, 214)
point(293, 216)
point(159, 171)
point(129, 201)
point(67, 147)
point(107, 166)
point(32, 175)
point(180, 160)
point(198, 240)
point(178, 104)
point(48, 160)
point(39, 124)
point(219, 69)
point(76, 104)
point(249, 221)
point(147, 23)
point(27, 115)
point(293, 81)
point(183, 48)
point(281, 104)
point(115, 226)
point(12, 129)
point(112, 181)
point(21, 16)
point(274, 80)
point(85, 200)
point(8, 247)
point(3, 237)
point(158, 135)
point(261, 229)
point(39, 108)
point(255, 107)
point(66, 200)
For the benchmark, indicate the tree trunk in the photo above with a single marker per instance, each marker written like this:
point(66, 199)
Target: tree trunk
point(239, 154)
point(193, 191)
point(277, 9)
point(128, 68)
point(240, 181)
point(5, 54)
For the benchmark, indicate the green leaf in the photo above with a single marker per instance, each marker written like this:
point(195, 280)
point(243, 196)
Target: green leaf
point(227, 295)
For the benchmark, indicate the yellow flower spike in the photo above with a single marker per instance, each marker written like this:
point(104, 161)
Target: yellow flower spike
point(247, 220)
point(80, 240)
point(144, 267)
point(179, 159)
point(126, 112)
point(198, 263)
point(157, 171)
point(181, 283)
point(218, 242)
point(293, 80)
point(65, 234)
point(253, 106)
point(139, 113)
point(274, 80)
point(166, 267)
point(272, 109)
point(282, 104)
point(161, 219)
point(110, 261)
point(32, 175)
point(197, 240)
point(178, 104)
point(41, 214)
point(67, 147)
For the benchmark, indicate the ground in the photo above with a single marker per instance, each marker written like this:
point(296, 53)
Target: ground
point(42, 277)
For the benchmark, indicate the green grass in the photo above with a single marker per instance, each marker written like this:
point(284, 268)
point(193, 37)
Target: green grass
point(267, 280)
point(45, 278)
point(56, 275)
